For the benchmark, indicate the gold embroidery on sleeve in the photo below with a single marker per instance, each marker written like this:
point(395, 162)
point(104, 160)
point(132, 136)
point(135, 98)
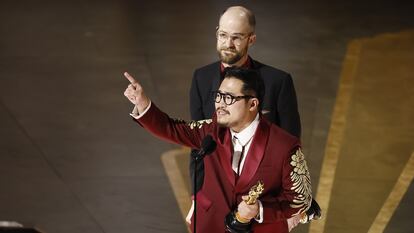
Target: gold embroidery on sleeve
point(199, 124)
point(301, 182)
point(178, 120)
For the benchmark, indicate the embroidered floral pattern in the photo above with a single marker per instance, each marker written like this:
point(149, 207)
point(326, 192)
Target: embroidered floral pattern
point(301, 182)
point(199, 124)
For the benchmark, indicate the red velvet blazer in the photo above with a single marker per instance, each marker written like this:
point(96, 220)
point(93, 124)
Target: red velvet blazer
point(274, 157)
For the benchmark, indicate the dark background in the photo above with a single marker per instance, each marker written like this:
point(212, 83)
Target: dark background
point(71, 160)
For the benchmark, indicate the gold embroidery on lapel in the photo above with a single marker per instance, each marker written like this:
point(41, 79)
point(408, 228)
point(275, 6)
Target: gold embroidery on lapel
point(301, 182)
point(199, 124)
point(178, 120)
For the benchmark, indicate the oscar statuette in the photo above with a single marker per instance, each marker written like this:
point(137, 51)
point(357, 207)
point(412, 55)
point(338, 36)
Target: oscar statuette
point(237, 224)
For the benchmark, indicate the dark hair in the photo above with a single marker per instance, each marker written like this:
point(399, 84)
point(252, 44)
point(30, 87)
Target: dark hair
point(252, 82)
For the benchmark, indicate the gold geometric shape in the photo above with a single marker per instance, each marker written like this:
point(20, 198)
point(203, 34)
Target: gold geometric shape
point(336, 134)
point(176, 166)
point(371, 135)
point(394, 199)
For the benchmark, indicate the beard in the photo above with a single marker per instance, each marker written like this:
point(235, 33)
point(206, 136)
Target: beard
point(232, 58)
point(229, 58)
point(222, 124)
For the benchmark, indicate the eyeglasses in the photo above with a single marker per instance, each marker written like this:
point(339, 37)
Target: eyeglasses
point(228, 99)
point(237, 39)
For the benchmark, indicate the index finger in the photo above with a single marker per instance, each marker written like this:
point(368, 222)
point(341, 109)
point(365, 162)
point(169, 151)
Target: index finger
point(130, 78)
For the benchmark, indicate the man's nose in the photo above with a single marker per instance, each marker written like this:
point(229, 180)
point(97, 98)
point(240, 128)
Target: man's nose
point(229, 42)
point(221, 104)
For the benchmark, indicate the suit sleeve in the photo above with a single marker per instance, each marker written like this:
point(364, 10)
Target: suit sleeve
point(296, 194)
point(288, 108)
point(196, 103)
point(172, 130)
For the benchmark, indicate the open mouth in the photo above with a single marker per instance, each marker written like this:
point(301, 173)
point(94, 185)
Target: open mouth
point(221, 112)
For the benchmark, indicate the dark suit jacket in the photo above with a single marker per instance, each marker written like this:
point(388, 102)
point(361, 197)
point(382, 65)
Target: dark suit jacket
point(270, 159)
point(280, 96)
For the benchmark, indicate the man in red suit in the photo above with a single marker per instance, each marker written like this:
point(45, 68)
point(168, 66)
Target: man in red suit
point(249, 149)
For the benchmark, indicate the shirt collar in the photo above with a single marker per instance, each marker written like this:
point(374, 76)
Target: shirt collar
point(247, 133)
point(246, 65)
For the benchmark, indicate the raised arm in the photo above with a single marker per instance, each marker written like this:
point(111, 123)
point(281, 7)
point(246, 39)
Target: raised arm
point(159, 123)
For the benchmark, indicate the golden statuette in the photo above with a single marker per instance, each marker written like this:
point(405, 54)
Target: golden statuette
point(254, 193)
point(236, 223)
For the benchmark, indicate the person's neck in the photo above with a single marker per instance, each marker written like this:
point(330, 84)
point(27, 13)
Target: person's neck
point(240, 127)
point(239, 63)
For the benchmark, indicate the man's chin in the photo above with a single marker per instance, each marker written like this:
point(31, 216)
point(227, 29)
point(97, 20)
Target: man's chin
point(229, 62)
point(221, 123)
point(229, 59)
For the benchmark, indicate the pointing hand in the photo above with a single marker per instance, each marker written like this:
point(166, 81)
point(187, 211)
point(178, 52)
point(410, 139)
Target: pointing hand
point(135, 94)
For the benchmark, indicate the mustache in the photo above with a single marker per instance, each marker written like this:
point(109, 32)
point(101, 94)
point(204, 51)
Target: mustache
point(222, 109)
point(228, 50)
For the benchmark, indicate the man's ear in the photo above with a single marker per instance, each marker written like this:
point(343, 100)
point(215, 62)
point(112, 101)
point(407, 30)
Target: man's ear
point(254, 104)
point(252, 39)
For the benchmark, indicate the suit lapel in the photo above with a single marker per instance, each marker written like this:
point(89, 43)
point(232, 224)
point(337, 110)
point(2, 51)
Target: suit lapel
point(213, 80)
point(254, 155)
point(216, 77)
point(225, 153)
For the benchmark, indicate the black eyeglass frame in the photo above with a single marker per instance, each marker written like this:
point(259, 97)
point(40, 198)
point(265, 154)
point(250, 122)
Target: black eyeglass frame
point(233, 99)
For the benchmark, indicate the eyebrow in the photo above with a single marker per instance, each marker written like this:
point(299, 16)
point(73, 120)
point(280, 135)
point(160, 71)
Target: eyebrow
point(234, 34)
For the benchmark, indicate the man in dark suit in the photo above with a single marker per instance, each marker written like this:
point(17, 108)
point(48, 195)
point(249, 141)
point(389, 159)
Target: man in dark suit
point(235, 34)
point(249, 149)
